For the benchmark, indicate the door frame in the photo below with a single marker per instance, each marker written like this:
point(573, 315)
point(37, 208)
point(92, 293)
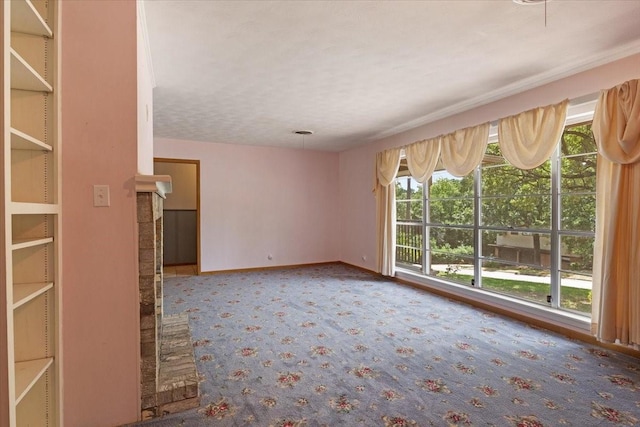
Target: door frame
point(197, 164)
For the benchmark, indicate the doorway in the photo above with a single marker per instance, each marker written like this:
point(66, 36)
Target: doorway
point(181, 239)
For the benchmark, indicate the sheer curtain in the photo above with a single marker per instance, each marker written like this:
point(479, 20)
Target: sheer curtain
point(387, 164)
point(528, 139)
point(616, 266)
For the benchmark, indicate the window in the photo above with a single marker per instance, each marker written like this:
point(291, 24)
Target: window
point(527, 234)
point(409, 220)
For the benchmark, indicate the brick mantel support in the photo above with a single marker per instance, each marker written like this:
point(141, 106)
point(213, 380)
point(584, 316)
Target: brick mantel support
point(151, 191)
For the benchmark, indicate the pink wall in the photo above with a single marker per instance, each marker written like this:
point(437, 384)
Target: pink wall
point(257, 201)
point(99, 138)
point(357, 204)
point(145, 97)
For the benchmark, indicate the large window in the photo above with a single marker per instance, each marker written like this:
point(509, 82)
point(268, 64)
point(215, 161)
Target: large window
point(527, 234)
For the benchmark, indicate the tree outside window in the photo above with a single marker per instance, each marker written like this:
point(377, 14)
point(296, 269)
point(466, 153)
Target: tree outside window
point(534, 228)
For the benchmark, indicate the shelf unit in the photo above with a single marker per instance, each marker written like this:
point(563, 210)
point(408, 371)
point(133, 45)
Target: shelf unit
point(32, 214)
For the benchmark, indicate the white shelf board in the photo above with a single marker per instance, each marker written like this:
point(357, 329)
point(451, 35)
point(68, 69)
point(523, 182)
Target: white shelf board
point(26, 19)
point(28, 373)
point(25, 292)
point(23, 141)
point(24, 77)
point(30, 243)
point(18, 208)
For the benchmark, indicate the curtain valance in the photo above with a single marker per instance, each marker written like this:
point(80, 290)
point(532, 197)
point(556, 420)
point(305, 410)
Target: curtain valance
point(387, 165)
point(528, 139)
point(422, 158)
point(464, 149)
point(616, 123)
point(460, 151)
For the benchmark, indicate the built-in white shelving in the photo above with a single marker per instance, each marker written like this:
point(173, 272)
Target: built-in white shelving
point(25, 77)
point(26, 19)
point(22, 141)
point(34, 208)
point(28, 373)
point(30, 243)
point(32, 214)
point(25, 292)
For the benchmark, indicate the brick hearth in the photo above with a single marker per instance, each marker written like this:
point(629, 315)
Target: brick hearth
point(169, 380)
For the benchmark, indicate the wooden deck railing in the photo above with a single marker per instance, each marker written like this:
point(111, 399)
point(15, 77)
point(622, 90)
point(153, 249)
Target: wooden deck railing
point(409, 243)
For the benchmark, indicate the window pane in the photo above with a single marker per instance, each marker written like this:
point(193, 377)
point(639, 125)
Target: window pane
point(578, 174)
point(447, 242)
point(526, 283)
point(409, 228)
point(445, 185)
point(409, 210)
point(523, 248)
point(451, 211)
point(489, 241)
point(517, 211)
point(493, 156)
point(409, 244)
point(578, 139)
point(575, 293)
point(409, 235)
point(409, 257)
point(507, 180)
point(578, 212)
point(451, 249)
point(459, 270)
point(409, 199)
point(516, 224)
point(577, 254)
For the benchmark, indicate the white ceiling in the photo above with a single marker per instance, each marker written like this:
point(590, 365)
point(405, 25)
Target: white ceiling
point(252, 72)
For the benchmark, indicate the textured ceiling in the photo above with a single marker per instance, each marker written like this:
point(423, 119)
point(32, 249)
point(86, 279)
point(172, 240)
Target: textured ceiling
point(251, 72)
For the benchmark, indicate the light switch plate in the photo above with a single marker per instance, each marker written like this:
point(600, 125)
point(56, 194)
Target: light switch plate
point(101, 196)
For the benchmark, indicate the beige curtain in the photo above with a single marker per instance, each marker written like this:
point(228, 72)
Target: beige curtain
point(616, 265)
point(463, 150)
point(528, 139)
point(387, 164)
point(422, 158)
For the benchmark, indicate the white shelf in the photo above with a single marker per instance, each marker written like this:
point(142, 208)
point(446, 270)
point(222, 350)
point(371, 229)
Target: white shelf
point(24, 77)
point(26, 208)
point(28, 373)
point(22, 141)
point(30, 243)
point(32, 171)
point(26, 19)
point(25, 292)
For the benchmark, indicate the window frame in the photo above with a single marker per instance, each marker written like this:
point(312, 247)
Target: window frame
point(578, 114)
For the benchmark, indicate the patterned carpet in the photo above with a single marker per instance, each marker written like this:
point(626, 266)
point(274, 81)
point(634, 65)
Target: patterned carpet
point(334, 346)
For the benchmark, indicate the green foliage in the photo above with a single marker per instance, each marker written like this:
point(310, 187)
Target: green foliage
point(451, 201)
point(522, 198)
point(572, 298)
point(510, 197)
point(409, 200)
point(446, 254)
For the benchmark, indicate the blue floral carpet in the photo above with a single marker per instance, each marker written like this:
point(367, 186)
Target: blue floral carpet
point(332, 345)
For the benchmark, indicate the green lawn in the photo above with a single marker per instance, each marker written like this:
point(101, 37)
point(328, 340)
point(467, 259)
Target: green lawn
point(572, 298)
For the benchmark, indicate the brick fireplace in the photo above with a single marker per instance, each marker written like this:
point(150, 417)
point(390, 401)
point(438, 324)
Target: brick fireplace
point(168, 374)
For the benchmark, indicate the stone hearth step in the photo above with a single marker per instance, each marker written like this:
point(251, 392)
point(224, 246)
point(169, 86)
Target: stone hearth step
point(178, 386)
